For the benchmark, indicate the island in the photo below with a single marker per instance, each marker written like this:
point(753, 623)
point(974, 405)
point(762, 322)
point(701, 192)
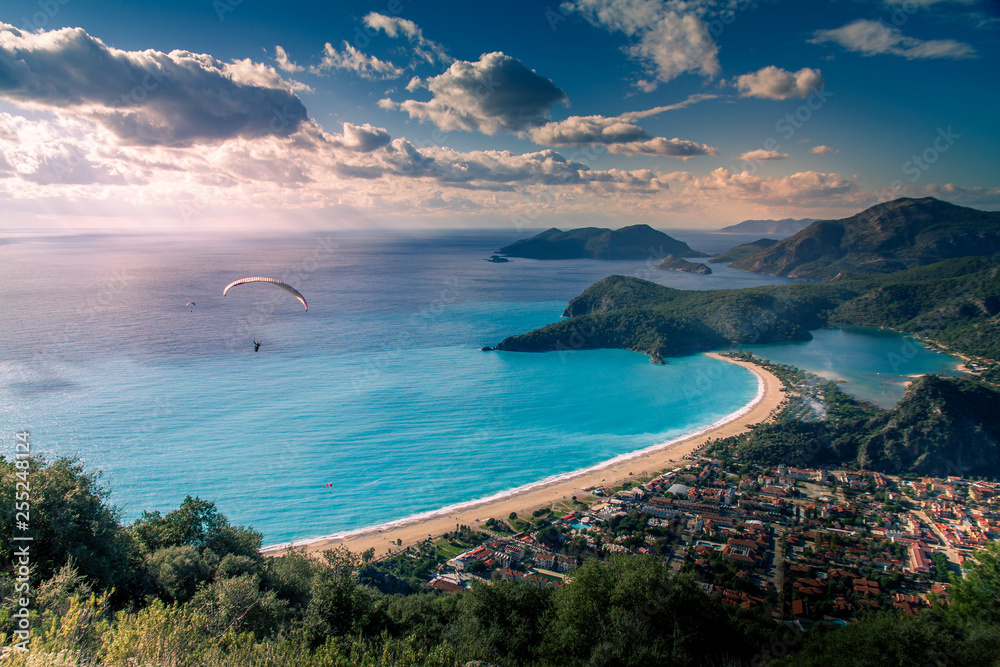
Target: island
point(672, 263)
point(497, 259)
point(633, 242)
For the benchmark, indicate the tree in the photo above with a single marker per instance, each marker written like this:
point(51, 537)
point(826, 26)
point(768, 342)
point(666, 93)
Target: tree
point(338, 605)
point(179, 571)
point(977, 596)
point(238, 604)
point(70, 518)
point(504, 619)
point(629, 610)
point(199, 524)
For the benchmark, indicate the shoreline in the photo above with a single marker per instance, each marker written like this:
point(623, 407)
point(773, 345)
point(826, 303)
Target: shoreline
point(527, 498)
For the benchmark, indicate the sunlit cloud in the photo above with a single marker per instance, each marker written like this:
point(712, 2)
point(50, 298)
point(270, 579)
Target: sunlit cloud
point(774, 83)
point(494, 94)
point(871, 38)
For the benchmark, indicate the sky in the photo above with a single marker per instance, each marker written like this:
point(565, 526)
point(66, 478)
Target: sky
point(195, 115)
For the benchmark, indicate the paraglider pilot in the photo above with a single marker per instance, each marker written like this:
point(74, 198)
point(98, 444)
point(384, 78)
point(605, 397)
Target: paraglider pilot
point(256, 346)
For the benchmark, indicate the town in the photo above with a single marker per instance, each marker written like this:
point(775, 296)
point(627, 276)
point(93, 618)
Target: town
point(802, 545)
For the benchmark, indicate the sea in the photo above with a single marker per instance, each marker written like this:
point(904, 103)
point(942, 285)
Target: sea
point(377, 403)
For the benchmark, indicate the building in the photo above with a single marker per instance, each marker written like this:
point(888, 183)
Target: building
point(918, 560)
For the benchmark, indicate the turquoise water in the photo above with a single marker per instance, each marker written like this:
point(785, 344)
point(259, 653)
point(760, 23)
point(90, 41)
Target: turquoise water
point(871, 364)
point(380, 390)
point(432, 427)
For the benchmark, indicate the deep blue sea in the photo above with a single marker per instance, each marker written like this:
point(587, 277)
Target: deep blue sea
point(375, 405)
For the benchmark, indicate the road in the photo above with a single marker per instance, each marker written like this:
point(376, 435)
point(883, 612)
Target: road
point(679, 553)
point(779, 571)
point(948, 549)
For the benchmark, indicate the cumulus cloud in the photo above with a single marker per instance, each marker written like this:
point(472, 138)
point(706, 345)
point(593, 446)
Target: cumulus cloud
point(823, 150)
point(284, 63)
point(494, 94)
point(362, 138)
point(423, 48)
point(617, 134)
point(761, 155)
point(352, 60)
point(774, 83)
point(980, 197)
point(803, 185)
point(146, 97)
point(669, 38)
point(870, 38)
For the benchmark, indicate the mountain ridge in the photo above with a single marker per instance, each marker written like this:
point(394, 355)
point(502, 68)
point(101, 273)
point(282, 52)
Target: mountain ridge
point(885, 238)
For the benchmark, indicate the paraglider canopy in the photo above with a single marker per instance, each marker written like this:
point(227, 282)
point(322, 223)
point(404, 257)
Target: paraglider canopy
point(274, 281)
point(189, 303)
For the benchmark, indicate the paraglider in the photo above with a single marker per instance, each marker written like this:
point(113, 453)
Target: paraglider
point(190, 303)
point(256, 346)
point(274, 281)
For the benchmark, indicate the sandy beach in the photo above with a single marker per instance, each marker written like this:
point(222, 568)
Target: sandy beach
point(649, 461)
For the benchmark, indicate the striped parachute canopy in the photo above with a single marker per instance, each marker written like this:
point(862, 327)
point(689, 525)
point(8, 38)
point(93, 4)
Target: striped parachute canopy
point(274, 281)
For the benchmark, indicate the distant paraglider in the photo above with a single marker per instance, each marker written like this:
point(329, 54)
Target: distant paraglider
point(190, 303)
point(256, 346)
point(274, 281)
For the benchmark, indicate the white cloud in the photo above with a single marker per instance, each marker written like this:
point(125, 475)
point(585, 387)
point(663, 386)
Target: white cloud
point(670, 37)
point(146, 97)
point(352, 60)
point(494, 94)
point(823, 150)
point(583, 130)
point(774, 83)
point(617, 135)
point(870, 38)
point(761, 155)
point(362, 138)
point(803, 185)
point(691, 99)
point(283, 61)
point(423, 48)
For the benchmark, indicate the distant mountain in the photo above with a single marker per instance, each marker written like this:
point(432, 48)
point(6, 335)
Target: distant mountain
point(634, 242)
point(785, 227)
point(671, 263)
point(888, 237)
point(741, 251)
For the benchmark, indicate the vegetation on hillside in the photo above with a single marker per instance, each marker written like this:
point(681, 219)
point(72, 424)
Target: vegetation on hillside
point(189, 588)
point(955, 303)
point(742, 251)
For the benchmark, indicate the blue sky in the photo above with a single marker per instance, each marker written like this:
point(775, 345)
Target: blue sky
point(232, 114)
